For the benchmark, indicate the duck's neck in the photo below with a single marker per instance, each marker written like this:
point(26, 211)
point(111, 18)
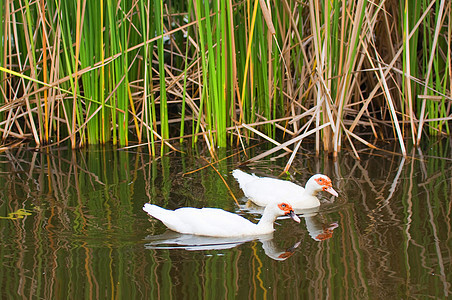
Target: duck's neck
point(310, 189)
point(267, 220)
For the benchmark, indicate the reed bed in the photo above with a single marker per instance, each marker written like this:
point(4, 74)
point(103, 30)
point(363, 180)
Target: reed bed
point(137, 72)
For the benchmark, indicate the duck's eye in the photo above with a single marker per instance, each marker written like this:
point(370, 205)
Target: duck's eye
point(320, 180)
point(283, 205)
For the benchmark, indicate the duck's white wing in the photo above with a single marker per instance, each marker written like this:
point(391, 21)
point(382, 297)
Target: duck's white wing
point(265, 190)
point(213, 222)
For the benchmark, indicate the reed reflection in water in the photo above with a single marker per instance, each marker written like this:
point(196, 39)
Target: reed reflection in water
point(71, 226)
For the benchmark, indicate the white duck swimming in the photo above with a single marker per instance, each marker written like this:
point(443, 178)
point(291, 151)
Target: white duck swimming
point(265, 190)
point(218, 222)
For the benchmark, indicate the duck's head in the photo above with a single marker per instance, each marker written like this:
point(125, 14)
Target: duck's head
point(320, 182)
point(287, 210)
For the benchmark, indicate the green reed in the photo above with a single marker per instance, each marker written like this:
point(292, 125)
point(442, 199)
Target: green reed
point(435, 57)
point(158, 9)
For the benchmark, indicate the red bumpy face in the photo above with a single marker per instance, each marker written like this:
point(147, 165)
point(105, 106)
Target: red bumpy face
point(286, 207)
point(288, 211)
point(325, 182)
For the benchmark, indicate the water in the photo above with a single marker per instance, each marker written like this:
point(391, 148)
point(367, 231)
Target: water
point(72, 227)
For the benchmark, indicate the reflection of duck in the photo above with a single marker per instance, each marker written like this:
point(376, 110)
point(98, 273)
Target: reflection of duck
point(317, 229)
point(275, 252)
point(218, 222)
point(265, 190)
point(175, 240)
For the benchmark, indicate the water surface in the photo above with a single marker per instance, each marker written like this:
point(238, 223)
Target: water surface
point(72, 227)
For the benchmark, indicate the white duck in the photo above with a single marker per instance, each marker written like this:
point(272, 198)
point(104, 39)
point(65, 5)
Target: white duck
point(218, 222)
point(265, 190)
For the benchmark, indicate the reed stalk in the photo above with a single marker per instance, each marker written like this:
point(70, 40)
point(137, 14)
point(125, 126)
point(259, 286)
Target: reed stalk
point(158, 9)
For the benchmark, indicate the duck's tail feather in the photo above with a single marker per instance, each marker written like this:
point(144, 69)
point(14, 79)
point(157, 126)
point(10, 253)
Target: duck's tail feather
point(243, 178)
point(154, 210)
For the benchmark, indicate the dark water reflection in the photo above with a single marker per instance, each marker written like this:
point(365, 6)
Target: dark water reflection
point(72, 227)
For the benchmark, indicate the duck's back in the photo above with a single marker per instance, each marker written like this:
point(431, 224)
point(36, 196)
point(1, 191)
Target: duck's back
point(264, 190)
point(205, 221)
point(214, 222)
